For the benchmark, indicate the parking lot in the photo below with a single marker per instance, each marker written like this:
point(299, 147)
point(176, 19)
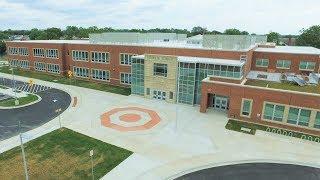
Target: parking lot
point(23, 86)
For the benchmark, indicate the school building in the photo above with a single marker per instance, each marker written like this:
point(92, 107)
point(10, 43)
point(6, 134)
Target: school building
point(242, 75)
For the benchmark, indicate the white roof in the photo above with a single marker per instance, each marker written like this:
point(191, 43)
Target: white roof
point(230, 62)
point(170, 44)
point(55, 41)
point(189, 59)
point(291, 50)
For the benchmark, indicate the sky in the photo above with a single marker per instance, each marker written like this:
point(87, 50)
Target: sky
point(254, 16)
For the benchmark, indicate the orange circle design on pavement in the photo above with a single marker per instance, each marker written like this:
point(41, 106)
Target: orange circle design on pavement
point(130, 119)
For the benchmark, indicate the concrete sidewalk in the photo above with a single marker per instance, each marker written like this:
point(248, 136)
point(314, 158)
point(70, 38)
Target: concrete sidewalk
point(182, 142)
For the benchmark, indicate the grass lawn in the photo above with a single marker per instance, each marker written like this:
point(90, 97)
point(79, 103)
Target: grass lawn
point(64, 80)
point(22, 101)
point(285, 86)
point(62, 154)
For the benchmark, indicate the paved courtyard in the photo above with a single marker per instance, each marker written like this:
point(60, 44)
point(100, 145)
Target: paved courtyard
point(180, 141)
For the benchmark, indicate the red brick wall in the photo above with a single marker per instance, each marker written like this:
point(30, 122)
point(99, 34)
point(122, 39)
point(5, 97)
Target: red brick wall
point(237, 92)
point(32, 59)
point(273, 57)
point(66, 62)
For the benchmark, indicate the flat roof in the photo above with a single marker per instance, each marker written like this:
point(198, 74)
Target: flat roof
point(55, 41)
point(291, 50)
point(170, 44)
point(189, 59)
point(230, 62)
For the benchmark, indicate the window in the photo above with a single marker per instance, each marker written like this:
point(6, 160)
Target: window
point(15, 63)
point(246, 107)
point(19, 63)
point(148, 91)
point(160, 69)
point(299, 116)
point(307, 65)
point(283, 64)
point(40, 66)
point(81, 72)
point(171, 95)
point(100, 74)
point(80, 55)
point(13, 51)
point(100, 57)
point(125, 59)
point(317, 122)
point(52, 53)
point(262, 62)
point(24, 64)
point(23, 51)
point(273, 112)
point(53, 68)
point(125, 78)
point(38, 52)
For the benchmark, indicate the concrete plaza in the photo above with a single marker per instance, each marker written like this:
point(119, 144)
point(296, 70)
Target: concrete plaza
point(184, 140)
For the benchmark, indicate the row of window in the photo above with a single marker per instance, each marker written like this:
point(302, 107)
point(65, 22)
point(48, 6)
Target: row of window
point(49, 53)
point(101, 57)
point(51, 68)
point(98, 74)
point(276, 112)
point(20, 63)
point(126, 59)
point(23, 51)
point(286, 64)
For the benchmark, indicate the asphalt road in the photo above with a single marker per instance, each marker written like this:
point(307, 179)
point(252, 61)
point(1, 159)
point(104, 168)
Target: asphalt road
point(255, 171)
point(34, 115)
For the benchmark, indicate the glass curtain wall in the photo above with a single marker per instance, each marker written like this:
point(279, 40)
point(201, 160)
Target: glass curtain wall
point(190, 76)
point(137, 76)
point(186, 82)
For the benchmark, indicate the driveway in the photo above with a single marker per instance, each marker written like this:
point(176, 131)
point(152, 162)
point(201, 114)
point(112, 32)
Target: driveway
point(34, 115)
point(255, 171)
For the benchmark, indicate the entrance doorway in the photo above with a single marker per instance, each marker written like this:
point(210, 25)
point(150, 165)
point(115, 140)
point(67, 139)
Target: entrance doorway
point(159, 95)
point(220, 103)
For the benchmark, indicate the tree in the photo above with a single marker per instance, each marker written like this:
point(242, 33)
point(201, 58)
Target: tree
point(71, 32)
point(244, 33)
point(34, 33)
point(2, 47)
point(3, 36)
point(198, 30)
point(310, 37)
point(273, 37)
point(232, 31)
point(53, 33)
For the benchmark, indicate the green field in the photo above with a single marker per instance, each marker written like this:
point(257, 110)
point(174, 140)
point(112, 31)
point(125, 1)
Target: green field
point(64, 80)
point(285, 86)
point(22, 101)
point(62, 154)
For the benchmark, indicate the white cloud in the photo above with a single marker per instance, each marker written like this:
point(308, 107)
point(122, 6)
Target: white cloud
point(259, 16)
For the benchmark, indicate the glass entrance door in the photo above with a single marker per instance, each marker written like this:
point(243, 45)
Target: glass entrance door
point(159, 95)
point(221, 103)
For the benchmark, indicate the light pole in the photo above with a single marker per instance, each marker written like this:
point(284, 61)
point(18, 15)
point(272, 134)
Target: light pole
point(23, 154)
point(14, 87)
point(58, 111)
point(91, 155)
